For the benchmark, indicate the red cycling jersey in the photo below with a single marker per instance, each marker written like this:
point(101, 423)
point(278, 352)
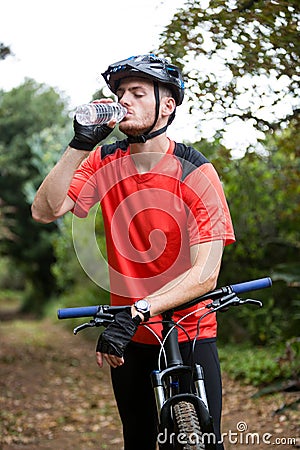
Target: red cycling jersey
point(151, 220)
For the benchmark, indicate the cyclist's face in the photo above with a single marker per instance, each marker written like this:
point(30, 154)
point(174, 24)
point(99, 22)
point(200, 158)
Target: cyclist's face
point(137, 95)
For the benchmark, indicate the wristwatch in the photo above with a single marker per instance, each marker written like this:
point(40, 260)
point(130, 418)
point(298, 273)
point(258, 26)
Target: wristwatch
point(143, 306)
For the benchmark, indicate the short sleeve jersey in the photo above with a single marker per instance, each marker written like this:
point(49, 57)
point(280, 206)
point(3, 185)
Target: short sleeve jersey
point(151, 220)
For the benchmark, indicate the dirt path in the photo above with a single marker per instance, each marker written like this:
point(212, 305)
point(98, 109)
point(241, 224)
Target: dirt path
point(53, 396)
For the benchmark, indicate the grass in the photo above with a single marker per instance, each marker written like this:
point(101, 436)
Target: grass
point(10, 299)
point(260, 366)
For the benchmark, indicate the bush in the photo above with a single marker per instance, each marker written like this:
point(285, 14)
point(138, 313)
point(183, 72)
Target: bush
point(10, 276)
point(261, 365)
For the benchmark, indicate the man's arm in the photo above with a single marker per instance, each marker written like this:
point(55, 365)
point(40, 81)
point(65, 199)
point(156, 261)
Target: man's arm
point(199, 279)
point(51, 200)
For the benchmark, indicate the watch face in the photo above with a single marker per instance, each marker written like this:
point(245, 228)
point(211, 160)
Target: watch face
point(143, 304)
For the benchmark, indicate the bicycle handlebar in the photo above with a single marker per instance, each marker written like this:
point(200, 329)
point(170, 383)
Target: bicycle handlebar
point(80, 311)
point(253, 285)
point(239, 288)
point(87, 311)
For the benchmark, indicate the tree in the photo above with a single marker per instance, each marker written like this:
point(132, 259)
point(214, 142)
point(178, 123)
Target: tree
point(24, 112)
point(263, 192)
point(4, 51)
point(240, 58)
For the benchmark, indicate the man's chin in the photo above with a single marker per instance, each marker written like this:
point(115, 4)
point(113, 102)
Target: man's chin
point(131, 131)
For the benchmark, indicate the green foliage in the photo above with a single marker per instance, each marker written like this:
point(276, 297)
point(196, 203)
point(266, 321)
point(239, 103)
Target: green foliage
point(80, 294)
point(263, 193)
point(25, 112)
point(46, 147)
point(240, 58)
point(10, 275)
point(76, 287)
point(66, 269)
point(252, 324)
point(261, 365)
point(72, 270)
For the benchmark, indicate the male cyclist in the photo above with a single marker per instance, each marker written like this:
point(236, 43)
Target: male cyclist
point(166, 223)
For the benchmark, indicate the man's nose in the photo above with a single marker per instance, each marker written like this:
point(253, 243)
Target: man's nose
point(125, 99)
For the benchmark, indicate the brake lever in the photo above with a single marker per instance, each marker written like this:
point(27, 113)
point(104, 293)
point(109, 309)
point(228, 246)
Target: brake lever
point(251, 301)
point(223, 302)
point(83, 326)
point(103, 321)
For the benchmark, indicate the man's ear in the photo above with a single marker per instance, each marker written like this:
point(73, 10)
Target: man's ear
point(168, 105)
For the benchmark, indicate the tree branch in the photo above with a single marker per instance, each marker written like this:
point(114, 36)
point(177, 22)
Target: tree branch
point(247, 5)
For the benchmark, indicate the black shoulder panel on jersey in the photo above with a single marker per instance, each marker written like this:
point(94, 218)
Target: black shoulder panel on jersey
point(189, 158)
point(110, 149)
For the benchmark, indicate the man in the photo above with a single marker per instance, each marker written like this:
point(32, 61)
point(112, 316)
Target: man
point(166, 224)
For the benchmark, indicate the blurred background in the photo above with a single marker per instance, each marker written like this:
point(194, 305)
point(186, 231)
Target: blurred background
point(240, 60)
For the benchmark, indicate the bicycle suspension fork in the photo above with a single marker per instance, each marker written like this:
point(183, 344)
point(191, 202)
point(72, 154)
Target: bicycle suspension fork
point(174, 368)
point(173, 360)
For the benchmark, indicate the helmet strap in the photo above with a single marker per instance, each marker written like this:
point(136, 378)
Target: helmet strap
point(142, 138)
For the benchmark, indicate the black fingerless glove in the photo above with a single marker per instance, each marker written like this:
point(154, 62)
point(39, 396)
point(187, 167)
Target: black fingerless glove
point(118, 334)
point(87, 136)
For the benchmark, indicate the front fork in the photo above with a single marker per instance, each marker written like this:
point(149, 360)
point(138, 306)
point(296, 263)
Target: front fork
point(158, 378)
point(170, 376)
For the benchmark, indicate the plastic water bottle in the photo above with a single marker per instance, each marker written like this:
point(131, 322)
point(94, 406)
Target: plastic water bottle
point(99, 113)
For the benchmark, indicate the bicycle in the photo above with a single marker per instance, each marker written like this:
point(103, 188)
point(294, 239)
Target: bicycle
point(183, 417)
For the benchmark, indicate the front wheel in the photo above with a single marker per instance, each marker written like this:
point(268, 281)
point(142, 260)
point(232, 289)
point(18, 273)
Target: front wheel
point(190, 433)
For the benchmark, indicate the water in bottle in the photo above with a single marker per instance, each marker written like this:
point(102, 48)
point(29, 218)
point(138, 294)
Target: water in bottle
point(99, 113)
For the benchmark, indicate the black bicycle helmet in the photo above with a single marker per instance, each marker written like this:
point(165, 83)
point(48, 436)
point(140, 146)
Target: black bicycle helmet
point(150, 67)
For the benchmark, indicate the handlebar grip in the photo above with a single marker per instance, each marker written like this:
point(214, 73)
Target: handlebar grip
point(253, 285)
point(81, 311)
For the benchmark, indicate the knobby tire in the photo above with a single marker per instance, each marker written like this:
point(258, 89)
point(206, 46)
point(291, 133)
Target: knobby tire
point(188, 426)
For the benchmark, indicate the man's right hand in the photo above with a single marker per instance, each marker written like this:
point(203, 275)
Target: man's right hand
point(86, 137)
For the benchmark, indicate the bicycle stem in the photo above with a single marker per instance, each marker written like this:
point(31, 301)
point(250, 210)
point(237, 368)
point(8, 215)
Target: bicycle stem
point(170, 332)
